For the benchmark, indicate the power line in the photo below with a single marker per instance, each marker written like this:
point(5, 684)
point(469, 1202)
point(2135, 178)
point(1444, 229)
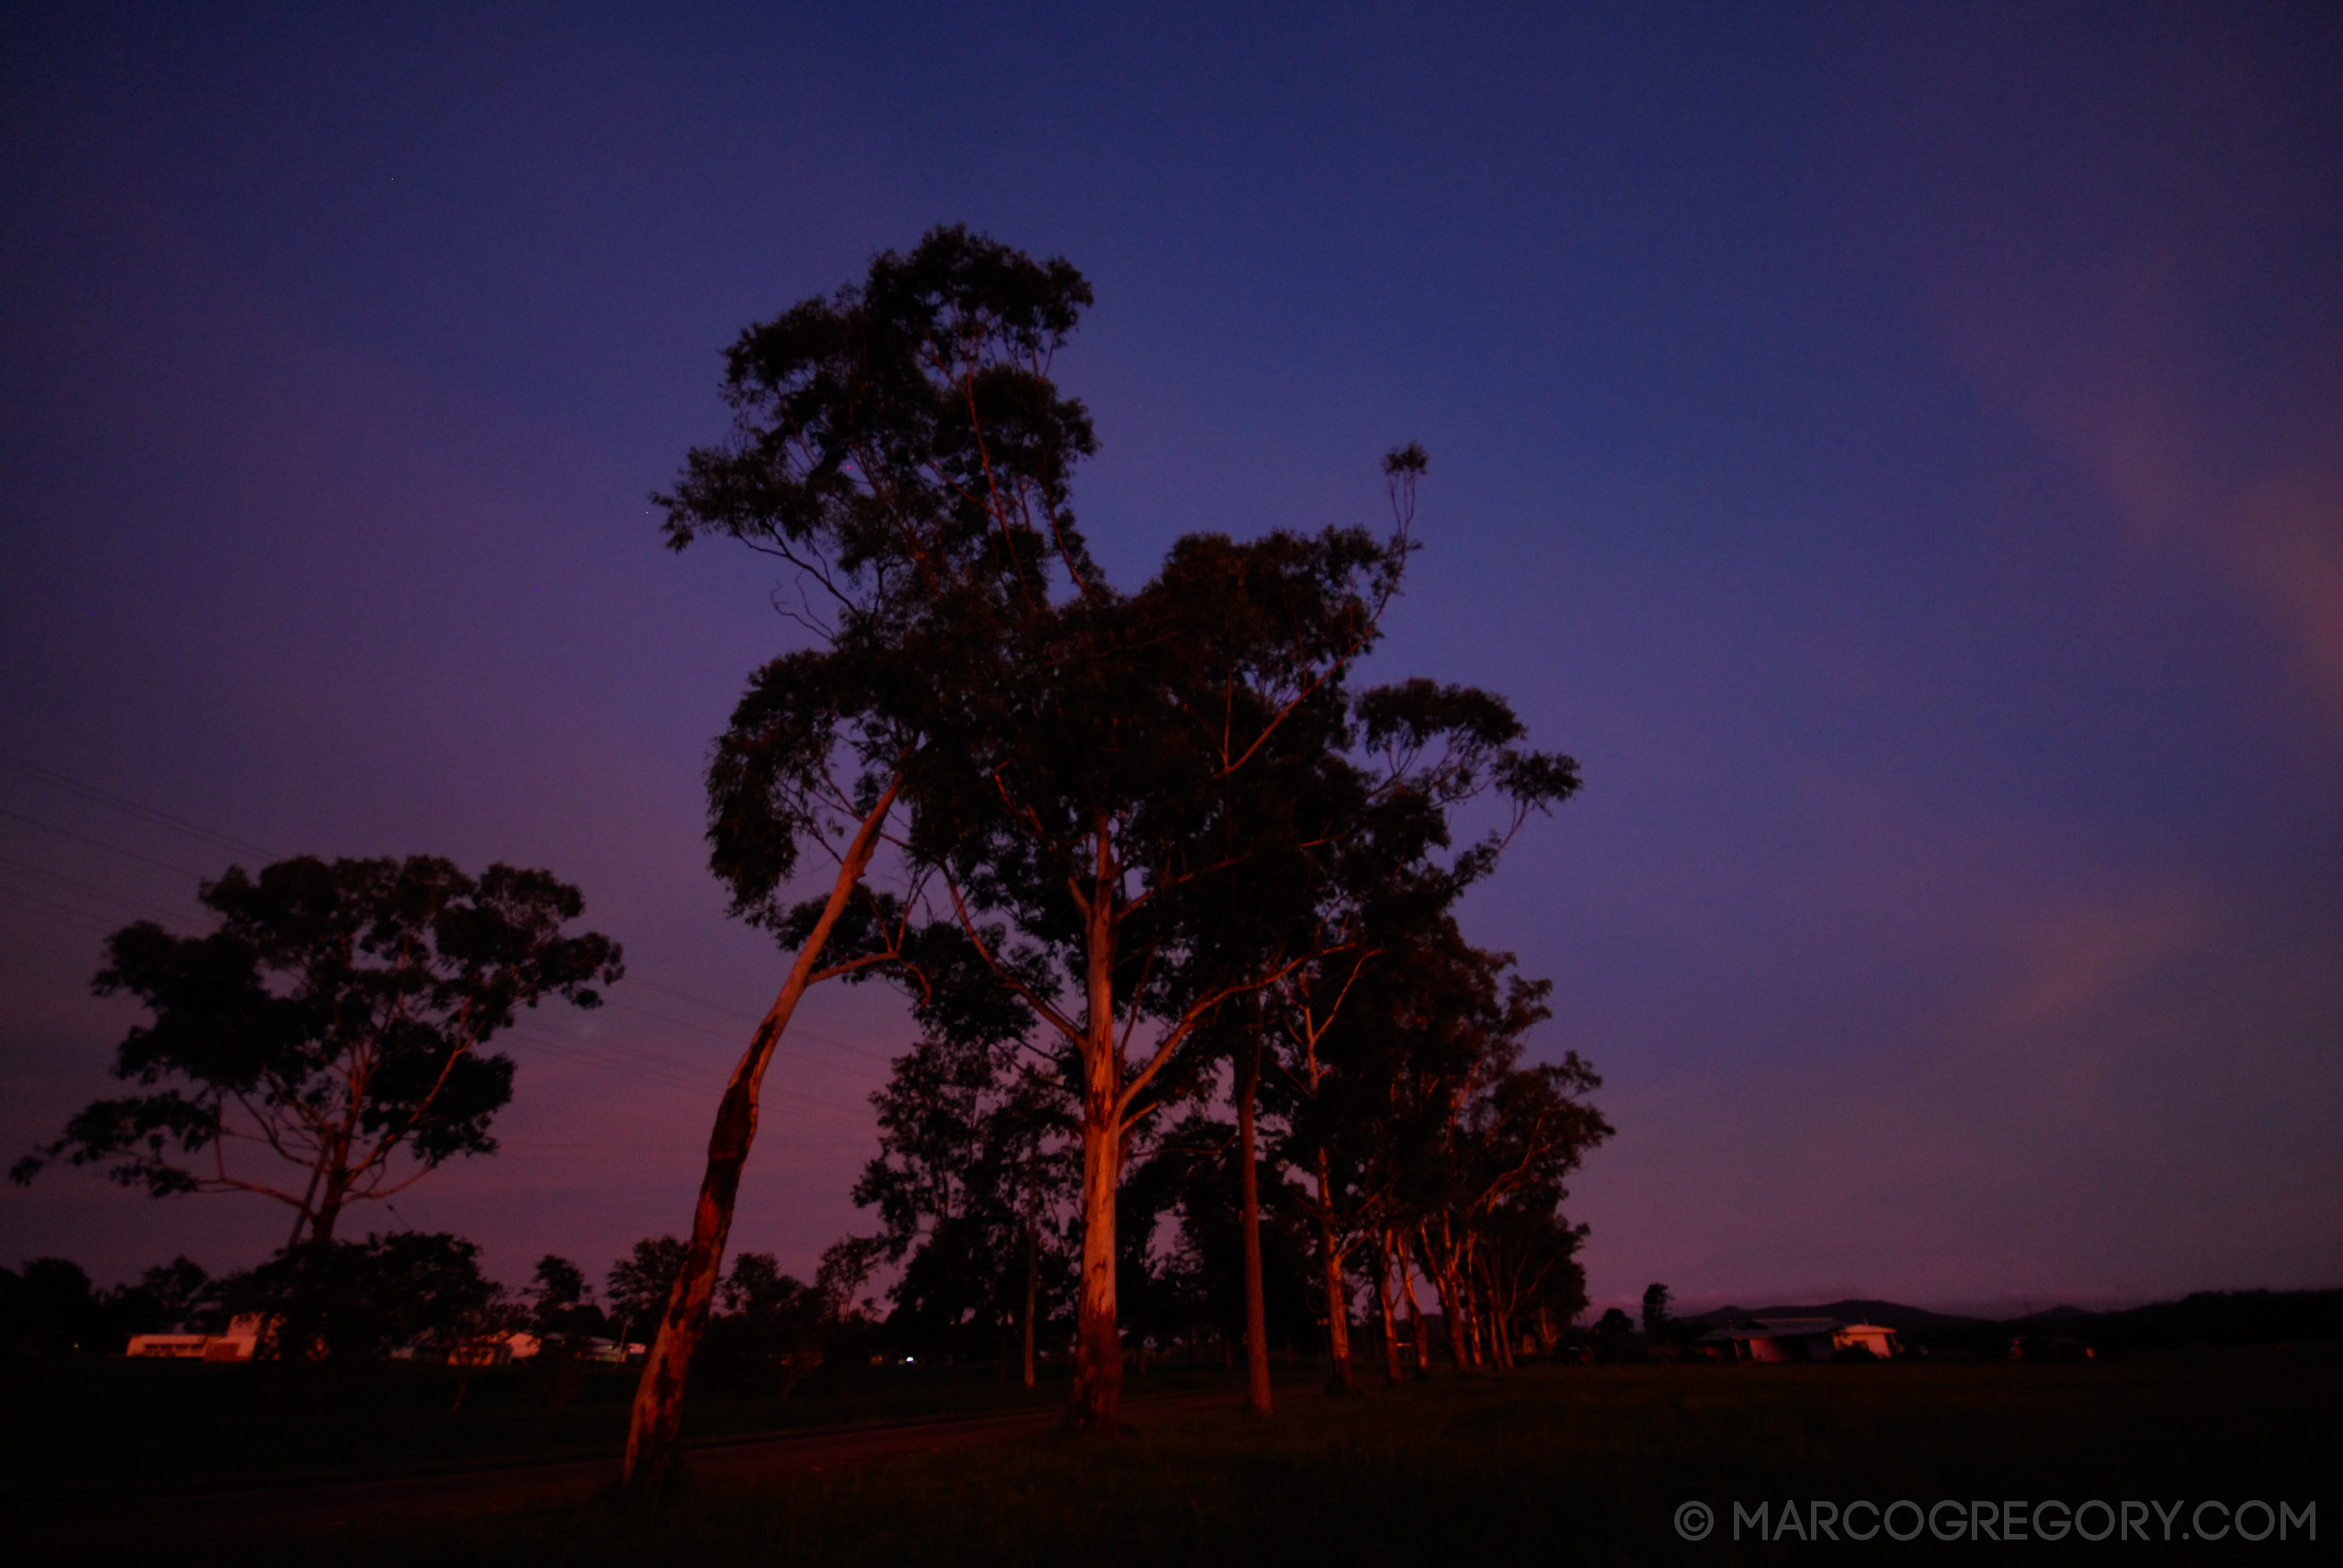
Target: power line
point(88, 889)
point(88, 791)
point(71, 917)
point(97, 843)
point(797, 1036)
point(663, 1069)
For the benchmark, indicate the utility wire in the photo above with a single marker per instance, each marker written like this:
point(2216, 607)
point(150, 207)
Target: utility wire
point(97, 843)
point(71, 917)
point(55, 779)
point(9, 863)
point(12, 763)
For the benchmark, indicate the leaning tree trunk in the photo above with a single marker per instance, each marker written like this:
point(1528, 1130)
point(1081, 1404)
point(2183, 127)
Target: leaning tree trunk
point(654, 1431)
point(1249, 1222)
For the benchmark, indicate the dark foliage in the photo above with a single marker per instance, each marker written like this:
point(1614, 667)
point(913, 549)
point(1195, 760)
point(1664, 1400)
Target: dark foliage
point(347, 1302)
point(333, 1021)
point(1183, 1281)
point(972, 1184)
point(639, 1283)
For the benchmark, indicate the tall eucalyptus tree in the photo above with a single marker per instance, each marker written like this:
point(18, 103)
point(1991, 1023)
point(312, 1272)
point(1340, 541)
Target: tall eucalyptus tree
point(901, 449)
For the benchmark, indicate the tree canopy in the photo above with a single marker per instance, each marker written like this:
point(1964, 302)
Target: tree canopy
point(322, 1046)
point(1109, 814)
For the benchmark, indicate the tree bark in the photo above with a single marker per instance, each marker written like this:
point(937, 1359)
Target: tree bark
point(1451, 1307)
point(1469, 1305)
point(1033, 1281)
point(1098, 1338)
point(1249, 1222)
point(1415, 1314)
point(1383, 1301)
point(654, 1430)
point(1338, 1295)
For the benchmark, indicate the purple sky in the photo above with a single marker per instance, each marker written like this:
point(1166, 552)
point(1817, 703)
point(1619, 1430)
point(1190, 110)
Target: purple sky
point(1902, 459)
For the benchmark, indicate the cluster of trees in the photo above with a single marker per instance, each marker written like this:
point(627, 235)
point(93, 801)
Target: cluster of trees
point(1173, 897)
point(1133, 856)
point(1399, 1140)
point(360, 1300)
point(52, 1308)
point(325, 1045)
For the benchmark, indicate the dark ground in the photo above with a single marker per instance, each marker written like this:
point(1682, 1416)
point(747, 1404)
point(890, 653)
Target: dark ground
point(1547, 1465)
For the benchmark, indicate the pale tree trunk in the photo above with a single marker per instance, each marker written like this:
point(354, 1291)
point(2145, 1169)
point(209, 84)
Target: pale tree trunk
point(1098, 1340)
point(1504, 1315)
point(1338, 1295)
point(1492, 1315)
point(1469, 1300)
point(654, 1430)
point(1451, 1306)
point(1249, 1222)
point(1460, 1344)
point(1415, 1314)
point(1500, 1330)
point(1383, 1301)
point(1032, 1283)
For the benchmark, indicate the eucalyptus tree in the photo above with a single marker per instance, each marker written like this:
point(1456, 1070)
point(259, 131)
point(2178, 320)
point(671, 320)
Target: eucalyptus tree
point(1418, 758)
point(324, 1044)
point(1493, 1142)
point(1131, 778)
point(900, 450)
point(1160, 805)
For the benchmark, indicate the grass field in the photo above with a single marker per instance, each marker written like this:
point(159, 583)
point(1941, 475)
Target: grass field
point(1547, 1465)
point(103, 1427)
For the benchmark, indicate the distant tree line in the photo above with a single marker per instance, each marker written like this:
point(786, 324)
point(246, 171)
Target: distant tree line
point(409, 1291)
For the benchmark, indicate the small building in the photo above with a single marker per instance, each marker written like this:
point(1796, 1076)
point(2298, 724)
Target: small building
point(171, 1347)
point(238, 1344)
point(1799, 1339)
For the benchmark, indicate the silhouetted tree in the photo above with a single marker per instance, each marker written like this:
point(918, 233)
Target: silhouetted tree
point(901, 449)
point(561, 1300)
point(50, 1310)
point(769, 1331)
point(354, 1301)
point(170, 1298)
point(975, 1161)
point(641, 1283)
point(335, 1023)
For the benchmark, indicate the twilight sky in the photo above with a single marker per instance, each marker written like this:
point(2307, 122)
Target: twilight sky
point(1901, 456)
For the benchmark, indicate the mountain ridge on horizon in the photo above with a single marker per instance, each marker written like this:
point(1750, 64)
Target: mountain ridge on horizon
point(2209, 1316)
point(1887, 1314)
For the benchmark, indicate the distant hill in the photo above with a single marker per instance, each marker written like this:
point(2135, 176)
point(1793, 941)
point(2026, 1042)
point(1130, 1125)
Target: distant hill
point(2209, 1317)
point(1887, 1314)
